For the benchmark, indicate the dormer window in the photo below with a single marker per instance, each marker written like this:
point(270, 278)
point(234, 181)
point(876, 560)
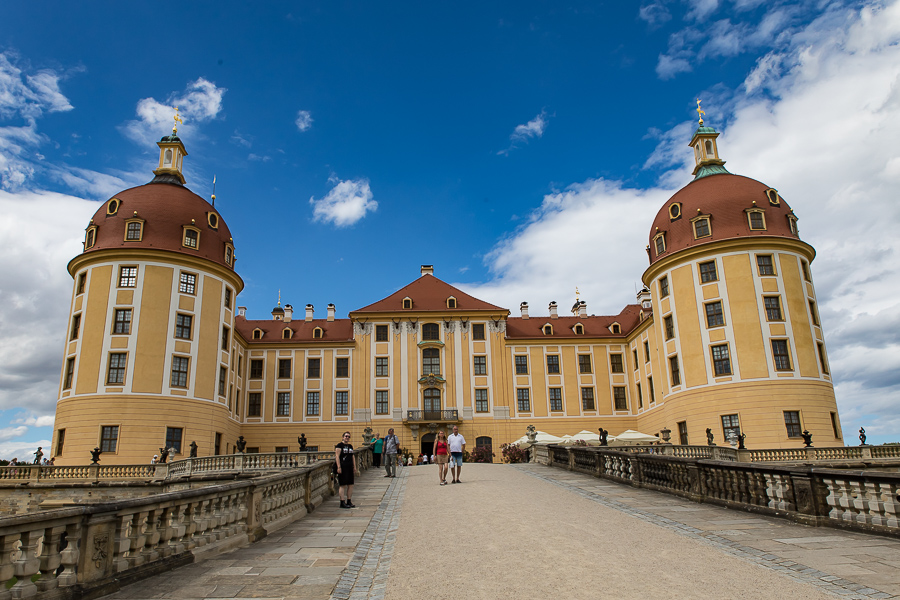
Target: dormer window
point(548, 329)
point(579, 329)
point(407, 303)
point(134, 230)
point(213, 220)
point(451, 302)
point(675, 211)
point(191, 238)
point(90, 237)
point(257, 334)
point(615, 328)
point(112, 207)
point(660, 242)
point(757, 219)
point(318, 333)
point(287, 333)
point(792, 223)
point(701, 227)
point(772, 195)
point(229, 254)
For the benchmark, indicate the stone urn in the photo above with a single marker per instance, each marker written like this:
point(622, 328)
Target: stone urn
point(531, 433)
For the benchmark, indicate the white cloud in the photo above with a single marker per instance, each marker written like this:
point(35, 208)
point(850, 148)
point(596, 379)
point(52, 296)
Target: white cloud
point(35, 421)
point(522, 133)
point(21, 449)
point(8, 433)
point(28, 96)
point(345, 204)
point(654, 13)
point(200, 101)
point(700, 9)
point(819, 120)
point(304, 120)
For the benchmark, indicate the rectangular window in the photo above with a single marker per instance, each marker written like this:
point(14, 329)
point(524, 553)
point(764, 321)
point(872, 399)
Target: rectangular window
point(76, 327)
point(804, 266)
point(109, 438)
point(765, 265)
point(187, 283)
point(701, 228)
point(714, 315)
point(584, 363)
point(757, 221)
point(173, 438)
point(381, 333)
point(652, 391)
point(341, 403)
point(479, 366)
point(676, 371)
point(781, 355)
point(227, 297)
point(640, 396)
point(254, 404)
point(284, 368)
point(646, 351)
point(521, 365)
point(553, 364)
point(183, 325)
point(381, 402)
point(587, 398)
point(179, 371)
point(555, 395)
point(240, 368)
point(226, 337)
point(313, 368)
point(792, 423)
point(481, 401)
point(255, 449)
point(70, 373)
point(381, 367)
point(312, 403)
point(773, 308)
point(283, 407)
point(834, 427)
point(621, 401)
point(82, 279)
point(813, 313)
point(223, 374)
point(128, 277)
point(282, 449)
point(615, 363)
point(708, 272)
point(122, 325)
point(634, 353)
point(660, 244)
point(721, 360)
point(730, 426)
point(823, 361)
point(218, 444)
point(117, 363)
point(133, 231)
point(191, 238)
point(682, 433)
point(523, 400)
point(663, 287)
point(342, 367)
point(61, 440)
point(669, 324)
point(478, 331)
point(256, 368)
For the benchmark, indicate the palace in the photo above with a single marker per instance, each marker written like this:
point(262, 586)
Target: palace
point(725, 336)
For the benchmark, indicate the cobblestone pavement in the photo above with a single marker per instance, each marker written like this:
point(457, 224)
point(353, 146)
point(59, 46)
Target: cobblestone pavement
point(847, 564)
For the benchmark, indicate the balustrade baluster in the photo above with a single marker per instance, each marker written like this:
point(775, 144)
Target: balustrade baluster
point(50, 558)
point(150, 551)
point(122, 543)
point(27, 564)
point(8, 549)
point(69, 555)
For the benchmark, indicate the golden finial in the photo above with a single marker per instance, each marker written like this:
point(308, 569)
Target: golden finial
point(700, 111)
point(177, 121)
point(279, 297)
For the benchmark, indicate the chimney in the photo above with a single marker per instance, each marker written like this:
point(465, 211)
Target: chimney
point(644, 298)
point(331, 312)
point(427, 269)
point(288, 313)
point(524, 308)
point(242, 311)
point(553, 313)
point(309, 312)
point(582, 309)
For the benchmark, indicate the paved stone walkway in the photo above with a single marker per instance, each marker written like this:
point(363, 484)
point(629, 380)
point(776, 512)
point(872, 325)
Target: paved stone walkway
point(348, 554)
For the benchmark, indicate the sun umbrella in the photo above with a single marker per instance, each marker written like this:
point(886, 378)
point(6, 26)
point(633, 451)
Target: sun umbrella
point(542, 437)
point(630, 437)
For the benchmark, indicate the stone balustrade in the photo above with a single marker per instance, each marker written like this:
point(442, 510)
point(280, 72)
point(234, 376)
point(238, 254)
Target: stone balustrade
point(94, 549)
point(861, 500)
point(769, 455)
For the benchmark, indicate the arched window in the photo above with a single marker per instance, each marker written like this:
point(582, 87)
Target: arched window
point(407, 303)
point(484, 441)
point(579, 329)
point(167, 161)
point(548, 329)
point(431, 361)
point(709, 148)
point(257, 334)
point(451, 302)
point(317, 333)
point(431, 398)
point(287, 333)
point(89, 239)
point(431, 331)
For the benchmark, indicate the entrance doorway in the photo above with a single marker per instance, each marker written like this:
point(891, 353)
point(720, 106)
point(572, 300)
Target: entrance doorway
point(427, 445)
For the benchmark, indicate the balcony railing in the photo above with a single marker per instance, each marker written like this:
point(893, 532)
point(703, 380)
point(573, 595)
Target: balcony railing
point(433, 416)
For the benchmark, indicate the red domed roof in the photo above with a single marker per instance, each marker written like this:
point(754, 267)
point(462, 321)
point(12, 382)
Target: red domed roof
point(165, 209)
point(726, 199)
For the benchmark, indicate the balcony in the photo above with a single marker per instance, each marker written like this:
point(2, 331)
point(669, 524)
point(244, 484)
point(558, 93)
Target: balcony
point(432, 416)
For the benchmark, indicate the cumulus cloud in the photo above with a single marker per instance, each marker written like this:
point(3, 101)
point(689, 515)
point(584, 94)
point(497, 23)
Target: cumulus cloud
point(35, 421)
point(345, 204)
point(304, 120)
point(836, 163)
point(523, 133)
point(655, 14)
point(200, 101)
point(28, 95)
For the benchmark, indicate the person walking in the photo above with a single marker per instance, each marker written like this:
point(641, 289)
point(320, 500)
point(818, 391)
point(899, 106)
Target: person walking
point(377, 447)
point(389, 452)
point(441, 452)
point(346, 469)
point(457, 444)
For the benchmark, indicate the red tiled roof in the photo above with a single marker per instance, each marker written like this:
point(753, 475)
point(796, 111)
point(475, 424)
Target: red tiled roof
point(339, 330)
point(165, 208)
point(724, 197)
point(564, 327)
point(428, 293)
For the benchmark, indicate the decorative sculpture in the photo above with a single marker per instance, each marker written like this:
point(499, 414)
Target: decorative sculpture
point(240, 444)
point(741, 439)
point(367, 435)
point(807, 438)
point(862, 436)
point(38, 455)
point(95, 456)
point(531, 434)
point(302, 441)
point(193, 449)
point(163, 455)
point(709, 437)
point(603, 435)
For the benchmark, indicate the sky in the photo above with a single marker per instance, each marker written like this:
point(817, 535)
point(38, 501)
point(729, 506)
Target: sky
point(522, 148)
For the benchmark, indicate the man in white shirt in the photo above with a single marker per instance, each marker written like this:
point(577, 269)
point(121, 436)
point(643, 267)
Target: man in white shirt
point(457, 445)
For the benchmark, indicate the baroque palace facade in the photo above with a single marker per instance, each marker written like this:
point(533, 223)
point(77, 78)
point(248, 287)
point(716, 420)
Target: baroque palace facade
point(724, 336)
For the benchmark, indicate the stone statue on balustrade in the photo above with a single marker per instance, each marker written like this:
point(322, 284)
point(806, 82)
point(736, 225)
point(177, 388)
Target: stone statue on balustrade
point(709, 437)
point(741, 439)
point(807, 438)
point(302, 441)
point(163, 455)
point(603, 435)
point(862, 437)
point(38, 455)
point(193, 449)
point(240, 444)
point(95, 456)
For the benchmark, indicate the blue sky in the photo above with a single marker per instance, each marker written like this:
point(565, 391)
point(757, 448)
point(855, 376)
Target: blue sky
point(522, 148)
